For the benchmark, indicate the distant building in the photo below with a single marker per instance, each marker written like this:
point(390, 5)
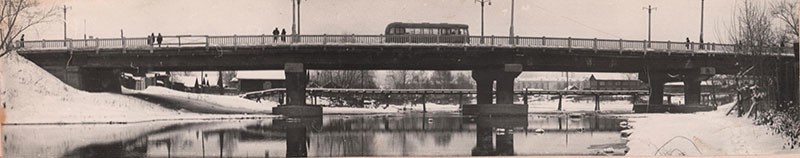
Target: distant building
point(248, 81)
point(614, 84)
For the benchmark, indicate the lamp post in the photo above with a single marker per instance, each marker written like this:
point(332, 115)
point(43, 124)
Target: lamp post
point(294, 17)
point(483, 2)
point(649, 17)
point(511, 39)
point(65, 24)
point(298, 17)
point(702, 6)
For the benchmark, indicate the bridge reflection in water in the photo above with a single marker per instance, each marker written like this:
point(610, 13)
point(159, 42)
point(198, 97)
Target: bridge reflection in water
point(363, 135)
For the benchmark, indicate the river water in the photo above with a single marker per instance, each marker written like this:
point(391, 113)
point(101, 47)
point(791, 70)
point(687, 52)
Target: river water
point(404, 134)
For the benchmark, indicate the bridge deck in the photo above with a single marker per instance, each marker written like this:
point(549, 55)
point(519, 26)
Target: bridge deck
point(236, 41)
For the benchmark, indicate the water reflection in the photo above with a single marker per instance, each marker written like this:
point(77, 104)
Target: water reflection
point(441, 134)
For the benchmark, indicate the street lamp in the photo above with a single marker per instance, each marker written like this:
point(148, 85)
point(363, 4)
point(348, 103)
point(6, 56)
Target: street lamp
point(649, 17)
point(702, 6)
point(482, 4)
point(511, 28)
point(295, 19)
point(65, 24)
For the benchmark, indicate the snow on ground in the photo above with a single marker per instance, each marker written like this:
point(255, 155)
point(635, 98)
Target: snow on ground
point(32, 95)
point(702, 133)
point(206, 103)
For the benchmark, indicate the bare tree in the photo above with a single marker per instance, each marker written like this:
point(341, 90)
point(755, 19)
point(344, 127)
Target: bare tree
point(17, 16)
point(786, 12)
point(753, 26)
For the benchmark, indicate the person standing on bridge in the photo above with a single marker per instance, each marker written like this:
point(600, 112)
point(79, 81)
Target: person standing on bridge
point(275, 35)
point(159, 39)
point(148, 40)
point(152, 38)
point(22, 41)
point(283, 35)
point(687, 43)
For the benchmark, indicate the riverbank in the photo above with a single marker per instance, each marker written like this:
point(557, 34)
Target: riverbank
point(702, 134)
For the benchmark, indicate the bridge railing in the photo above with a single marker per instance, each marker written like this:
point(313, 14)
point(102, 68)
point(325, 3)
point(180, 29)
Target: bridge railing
point(477, 41)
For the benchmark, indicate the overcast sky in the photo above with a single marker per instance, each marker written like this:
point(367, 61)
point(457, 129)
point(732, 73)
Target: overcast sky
point(673, 20)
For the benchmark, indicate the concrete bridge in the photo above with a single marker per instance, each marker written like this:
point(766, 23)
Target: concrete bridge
point(95, 64)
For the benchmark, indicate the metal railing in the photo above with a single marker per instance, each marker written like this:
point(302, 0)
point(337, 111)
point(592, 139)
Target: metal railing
point(440, 40)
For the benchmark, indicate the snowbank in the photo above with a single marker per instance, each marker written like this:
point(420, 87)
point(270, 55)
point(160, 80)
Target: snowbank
point(208, 103)
point(30, 94)
point(702, 133)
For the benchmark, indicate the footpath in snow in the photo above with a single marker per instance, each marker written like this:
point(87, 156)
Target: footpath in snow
point(702, 134)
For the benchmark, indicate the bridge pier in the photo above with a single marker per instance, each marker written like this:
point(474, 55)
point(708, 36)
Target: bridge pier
point(504, 105)
point(656, 82)
point(296, 80)
point(691, 88)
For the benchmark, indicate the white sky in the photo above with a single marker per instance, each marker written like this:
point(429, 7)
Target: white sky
point(673, 20)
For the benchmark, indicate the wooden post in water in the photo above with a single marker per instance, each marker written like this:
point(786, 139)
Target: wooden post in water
point(559, 101)
point(525, 98)
point(669, 99)
point(460, 100)
point(597, 102)
point(424, 100)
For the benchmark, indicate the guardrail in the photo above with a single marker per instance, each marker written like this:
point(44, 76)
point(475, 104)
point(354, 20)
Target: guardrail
point(498, 41)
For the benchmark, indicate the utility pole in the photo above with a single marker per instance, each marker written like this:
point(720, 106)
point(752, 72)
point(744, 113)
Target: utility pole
point(511, 29)
point(702, 7)
point(294, 17)
point(649, 17)
point(298, 17)
point(65, 25)
point(482, 5)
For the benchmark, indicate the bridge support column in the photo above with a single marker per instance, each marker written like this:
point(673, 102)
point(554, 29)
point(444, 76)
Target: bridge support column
point(484, 81)
point(505, 92)
point(691, 89)
point(505, 87)
point(656, 82)
point(296, 80)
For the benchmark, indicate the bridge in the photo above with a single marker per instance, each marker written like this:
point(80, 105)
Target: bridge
point(94, 64)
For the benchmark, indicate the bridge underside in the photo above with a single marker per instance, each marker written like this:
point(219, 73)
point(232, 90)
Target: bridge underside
point(491, 66)
point(390, 58)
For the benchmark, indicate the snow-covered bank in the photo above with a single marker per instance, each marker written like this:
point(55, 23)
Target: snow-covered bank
point(205, 103)
point(30, 95)
point(702, 133)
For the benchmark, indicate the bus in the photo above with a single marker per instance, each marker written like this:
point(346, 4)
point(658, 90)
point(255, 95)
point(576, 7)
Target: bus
point(399, 32)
